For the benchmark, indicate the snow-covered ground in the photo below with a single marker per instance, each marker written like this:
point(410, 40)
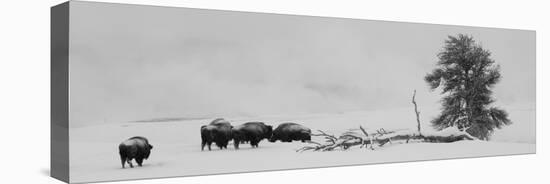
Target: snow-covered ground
point(94, 149)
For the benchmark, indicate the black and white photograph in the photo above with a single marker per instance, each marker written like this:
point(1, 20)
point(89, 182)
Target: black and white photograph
point(164, 92)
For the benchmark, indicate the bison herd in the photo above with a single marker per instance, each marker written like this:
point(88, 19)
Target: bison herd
point(221, 132)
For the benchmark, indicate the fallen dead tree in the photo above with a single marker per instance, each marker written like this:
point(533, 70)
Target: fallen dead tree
point(360, 137)
point(380, 138)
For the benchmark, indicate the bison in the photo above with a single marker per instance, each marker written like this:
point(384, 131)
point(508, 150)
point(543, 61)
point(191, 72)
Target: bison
point(252, 132)
point(137, 148)
point(288, 132)
point(218, 131)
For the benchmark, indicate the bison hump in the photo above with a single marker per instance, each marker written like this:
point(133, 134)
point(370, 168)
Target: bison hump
point(208, 127)
point(219, 121)
point(296, 128)
point(257, 128)
point(134, 142)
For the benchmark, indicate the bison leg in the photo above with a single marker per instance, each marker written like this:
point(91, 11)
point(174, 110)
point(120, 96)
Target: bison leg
point(122, 161)
point(236, 143)
point(223, 145)
point(139, 161)
point(209, 146)
point(130, 163)
point(254, 142)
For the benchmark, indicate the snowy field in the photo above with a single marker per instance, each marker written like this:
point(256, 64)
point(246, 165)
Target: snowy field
point(94, 149)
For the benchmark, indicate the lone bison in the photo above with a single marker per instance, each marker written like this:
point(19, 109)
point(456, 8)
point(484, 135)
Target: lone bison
point(134, 148)
point(218, 131)
point(288, 132)
point(252, 132)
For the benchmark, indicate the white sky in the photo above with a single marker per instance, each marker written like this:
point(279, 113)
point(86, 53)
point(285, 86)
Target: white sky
point(140, 62)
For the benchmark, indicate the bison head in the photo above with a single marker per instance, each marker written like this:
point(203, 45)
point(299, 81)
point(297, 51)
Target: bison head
point(209, 132)
point(148, 151)
point(272, 138)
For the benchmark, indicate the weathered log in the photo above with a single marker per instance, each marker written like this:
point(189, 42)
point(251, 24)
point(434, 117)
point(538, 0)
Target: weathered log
point(380, 138)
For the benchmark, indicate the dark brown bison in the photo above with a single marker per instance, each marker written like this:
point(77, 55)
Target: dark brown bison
point(252, 132)
point(288, 132)
point(218, 131)
point(134, 148)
